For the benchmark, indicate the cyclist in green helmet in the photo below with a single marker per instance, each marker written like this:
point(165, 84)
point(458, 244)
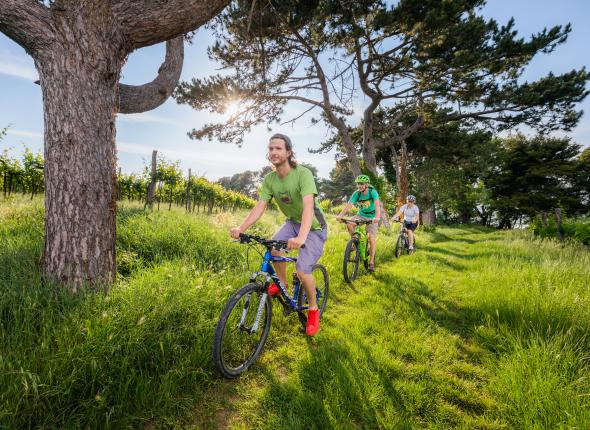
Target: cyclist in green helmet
point(366, 199)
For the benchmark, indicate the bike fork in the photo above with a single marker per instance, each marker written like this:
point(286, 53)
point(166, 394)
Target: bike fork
point(261, 305)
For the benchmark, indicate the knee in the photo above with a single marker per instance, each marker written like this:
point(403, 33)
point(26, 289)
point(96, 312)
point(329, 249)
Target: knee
point(301, 274)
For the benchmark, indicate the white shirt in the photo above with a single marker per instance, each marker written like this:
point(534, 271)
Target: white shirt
point(410, 213)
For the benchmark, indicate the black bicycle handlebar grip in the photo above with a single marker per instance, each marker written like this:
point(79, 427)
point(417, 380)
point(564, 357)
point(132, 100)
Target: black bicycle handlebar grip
point(244, 238)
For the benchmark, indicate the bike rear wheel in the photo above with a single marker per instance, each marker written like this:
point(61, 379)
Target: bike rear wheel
point(237, 343)
point(322, 291)
point(350, 264)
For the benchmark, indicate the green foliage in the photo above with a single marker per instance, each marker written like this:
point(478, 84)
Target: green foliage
point(340, 185)
point(576, 229)
point(245, 183)
point(24, 175)
point(326, 205)
point(172, 187)
point(534, 175)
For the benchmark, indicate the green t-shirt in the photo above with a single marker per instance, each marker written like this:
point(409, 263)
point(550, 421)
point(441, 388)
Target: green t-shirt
point(365, 202)
point(289, 192)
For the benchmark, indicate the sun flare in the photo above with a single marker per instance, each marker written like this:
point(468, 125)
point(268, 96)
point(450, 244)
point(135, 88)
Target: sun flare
point(232, 108)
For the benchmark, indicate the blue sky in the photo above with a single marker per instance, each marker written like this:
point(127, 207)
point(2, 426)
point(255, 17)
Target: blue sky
point(165, 128)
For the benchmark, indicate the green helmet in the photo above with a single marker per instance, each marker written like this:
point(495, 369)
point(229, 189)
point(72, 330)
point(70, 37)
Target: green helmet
point(362, 179)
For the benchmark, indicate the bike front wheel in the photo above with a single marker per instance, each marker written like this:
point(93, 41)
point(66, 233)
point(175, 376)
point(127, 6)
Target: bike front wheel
point(350, 264)
point(242, 330)
point(322, 291)
point(399, 246)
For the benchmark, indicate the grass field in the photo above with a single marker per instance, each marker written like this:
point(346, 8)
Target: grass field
point(479, 329)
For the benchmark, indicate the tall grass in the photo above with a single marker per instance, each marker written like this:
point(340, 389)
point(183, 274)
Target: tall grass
point(478, 329)
point(116, 360)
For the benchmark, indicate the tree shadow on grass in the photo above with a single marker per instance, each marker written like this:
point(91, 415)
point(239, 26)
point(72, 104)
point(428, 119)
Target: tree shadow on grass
point(526, 323)
point(507, 254)
point(458, 267)
point(327, 390)
point(437, 237)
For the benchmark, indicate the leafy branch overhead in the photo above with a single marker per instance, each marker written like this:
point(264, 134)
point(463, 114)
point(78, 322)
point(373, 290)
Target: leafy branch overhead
point(410, 58)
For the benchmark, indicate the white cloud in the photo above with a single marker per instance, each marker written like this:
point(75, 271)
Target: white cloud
point(147, 117)
point(24, 133)
point(17, 66)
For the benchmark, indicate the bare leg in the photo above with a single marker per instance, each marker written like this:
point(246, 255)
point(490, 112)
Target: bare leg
point(411, 238)
point(308, 282)
point(372, 248)
point(351, 228)
point(280, 268)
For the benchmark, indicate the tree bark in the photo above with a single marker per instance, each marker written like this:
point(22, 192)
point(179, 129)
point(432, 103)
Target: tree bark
point(560, 231)
point(350, 150)
point(80, 157)
point(143, 98)
point(79, 49)
point(429, 214)
point(402, 174)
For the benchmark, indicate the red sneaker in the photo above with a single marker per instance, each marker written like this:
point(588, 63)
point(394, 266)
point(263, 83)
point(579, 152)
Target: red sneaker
point(274, 290)
point(313, 322)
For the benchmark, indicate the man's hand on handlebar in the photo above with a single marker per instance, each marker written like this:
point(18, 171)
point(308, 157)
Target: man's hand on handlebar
point(295, 243)
point(235, 232)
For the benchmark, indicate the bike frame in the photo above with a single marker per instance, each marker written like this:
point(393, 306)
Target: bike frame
point(363, 242)
point(268, 272)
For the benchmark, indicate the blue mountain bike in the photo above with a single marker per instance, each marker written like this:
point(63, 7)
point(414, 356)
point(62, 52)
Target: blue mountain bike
point(245, 321)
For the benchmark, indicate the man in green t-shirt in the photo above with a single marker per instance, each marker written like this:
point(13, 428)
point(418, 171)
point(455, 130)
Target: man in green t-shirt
point(294, 190)
point(366, 199)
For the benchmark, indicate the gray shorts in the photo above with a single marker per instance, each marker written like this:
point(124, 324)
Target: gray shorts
point(314, 245)
point(371, 228)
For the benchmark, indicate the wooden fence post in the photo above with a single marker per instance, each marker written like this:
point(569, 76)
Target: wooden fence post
point(151, 189)
point(188, 189)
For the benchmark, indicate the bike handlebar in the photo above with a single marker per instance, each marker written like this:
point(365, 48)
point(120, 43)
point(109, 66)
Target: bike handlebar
point(279, 245)
point(355, 221)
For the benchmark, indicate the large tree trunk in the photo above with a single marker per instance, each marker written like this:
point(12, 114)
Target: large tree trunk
point(429, 213)
point(558, 219)
point(79, 49)
point(401, 177)
point(348, 144)
point(79, 82)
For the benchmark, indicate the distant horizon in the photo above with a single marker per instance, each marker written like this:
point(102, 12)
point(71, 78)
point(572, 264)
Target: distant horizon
point(165, 128)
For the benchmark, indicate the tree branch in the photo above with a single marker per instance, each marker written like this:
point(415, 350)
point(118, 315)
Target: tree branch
point(27, 22)
point(147, 22)
point(142, 98)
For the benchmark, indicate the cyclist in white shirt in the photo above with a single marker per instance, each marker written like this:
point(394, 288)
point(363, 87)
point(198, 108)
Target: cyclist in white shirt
point(411, 218)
